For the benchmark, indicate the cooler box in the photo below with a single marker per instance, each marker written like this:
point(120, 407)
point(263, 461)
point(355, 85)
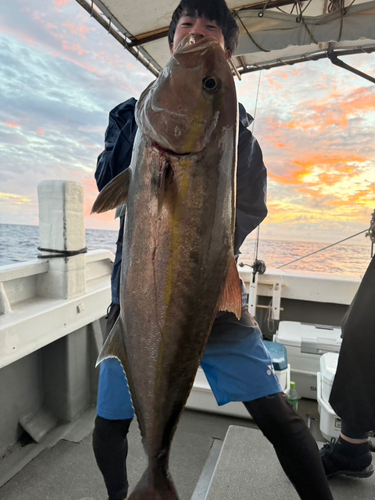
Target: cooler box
point(330, 423)
point(305, 344)
point(201, 397)
point(279, 358)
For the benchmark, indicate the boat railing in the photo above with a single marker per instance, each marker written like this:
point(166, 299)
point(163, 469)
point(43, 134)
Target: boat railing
point(52, 317)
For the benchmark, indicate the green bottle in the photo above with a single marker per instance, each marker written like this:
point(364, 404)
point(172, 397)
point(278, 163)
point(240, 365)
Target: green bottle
point(293, 396)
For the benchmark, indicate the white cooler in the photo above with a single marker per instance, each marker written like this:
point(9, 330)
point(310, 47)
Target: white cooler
point(305, 344)
point(330, 423)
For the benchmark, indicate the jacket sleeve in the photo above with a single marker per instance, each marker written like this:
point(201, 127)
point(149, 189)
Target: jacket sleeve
point(119, 140)
point(251, 187)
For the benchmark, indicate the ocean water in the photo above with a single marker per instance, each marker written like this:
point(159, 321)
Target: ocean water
point(20, 244)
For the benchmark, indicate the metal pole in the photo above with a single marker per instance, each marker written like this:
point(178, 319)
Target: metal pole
point(334, 60)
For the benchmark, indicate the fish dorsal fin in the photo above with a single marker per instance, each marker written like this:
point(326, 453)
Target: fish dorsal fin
point(114, 347)
point(114, 194)
point(231, 296)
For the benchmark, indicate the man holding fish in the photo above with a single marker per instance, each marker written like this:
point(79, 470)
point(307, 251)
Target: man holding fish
point(192, 178)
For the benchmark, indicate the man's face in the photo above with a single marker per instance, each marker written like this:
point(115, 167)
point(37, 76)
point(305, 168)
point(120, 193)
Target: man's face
point(200, 27)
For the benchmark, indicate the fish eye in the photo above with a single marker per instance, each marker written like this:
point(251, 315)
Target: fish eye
point(210, 84)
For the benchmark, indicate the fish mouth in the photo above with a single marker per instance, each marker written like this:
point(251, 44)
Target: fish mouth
point(191, 44)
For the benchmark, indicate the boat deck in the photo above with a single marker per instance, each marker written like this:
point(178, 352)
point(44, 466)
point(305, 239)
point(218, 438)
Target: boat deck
point(247, 468)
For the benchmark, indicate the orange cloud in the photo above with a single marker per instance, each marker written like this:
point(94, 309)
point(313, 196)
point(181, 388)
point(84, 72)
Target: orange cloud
point(331, 211)
point(41, 132)
point(335, 110)
point(275, 80)
point(84, 66)
point(361, 99)
point(80, 30)
point(11, 124)
point(361, 197)
point(276, 141)
point(27, 39)
point(273, 124)
point(319, 169)
point(275, 85)
point(281, 74)
point(60, 3)
point(74, 48)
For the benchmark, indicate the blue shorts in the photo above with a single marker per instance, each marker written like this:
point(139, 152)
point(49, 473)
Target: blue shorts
point(236, 363)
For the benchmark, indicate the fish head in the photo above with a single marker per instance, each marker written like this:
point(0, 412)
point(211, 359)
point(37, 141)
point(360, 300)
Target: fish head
point(193, 98)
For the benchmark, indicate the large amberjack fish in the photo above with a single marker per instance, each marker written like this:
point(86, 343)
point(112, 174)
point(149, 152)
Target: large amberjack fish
point(178, 267)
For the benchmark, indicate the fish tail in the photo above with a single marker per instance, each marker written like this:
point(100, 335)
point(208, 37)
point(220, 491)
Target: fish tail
point(156, 486)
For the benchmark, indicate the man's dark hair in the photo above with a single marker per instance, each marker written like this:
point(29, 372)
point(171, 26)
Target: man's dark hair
point(213, 10)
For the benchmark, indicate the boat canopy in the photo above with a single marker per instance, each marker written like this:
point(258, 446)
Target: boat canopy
point(272, 33)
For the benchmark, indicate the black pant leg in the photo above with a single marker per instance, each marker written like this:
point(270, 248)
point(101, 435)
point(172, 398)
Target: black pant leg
point(352, 432)
point(294, 444)
point(110, 446)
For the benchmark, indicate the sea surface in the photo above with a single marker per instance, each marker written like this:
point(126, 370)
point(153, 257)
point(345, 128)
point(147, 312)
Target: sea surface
point(20, 243)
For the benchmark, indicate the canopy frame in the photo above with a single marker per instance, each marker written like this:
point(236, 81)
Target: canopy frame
point(331, 54)
point(253, 53)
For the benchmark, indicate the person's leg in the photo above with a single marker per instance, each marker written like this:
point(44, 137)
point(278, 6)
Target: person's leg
point(239, 368)
point(349, 455)
point(236, 362)
point(294, 445)
point(110, 446)
point(114, 415)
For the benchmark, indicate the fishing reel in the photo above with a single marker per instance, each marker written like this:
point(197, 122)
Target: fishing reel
point(259, 266)
point(371, 232)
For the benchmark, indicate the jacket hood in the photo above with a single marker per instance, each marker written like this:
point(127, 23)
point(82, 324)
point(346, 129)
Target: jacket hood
point(245, 118)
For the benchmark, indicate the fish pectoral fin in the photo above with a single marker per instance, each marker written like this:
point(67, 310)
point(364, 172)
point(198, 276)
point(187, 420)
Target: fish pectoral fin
point(114, 347)
point(114, 194)
point(231, 296)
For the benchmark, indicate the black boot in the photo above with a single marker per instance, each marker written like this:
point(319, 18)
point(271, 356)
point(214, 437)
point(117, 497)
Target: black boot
point(342, 457)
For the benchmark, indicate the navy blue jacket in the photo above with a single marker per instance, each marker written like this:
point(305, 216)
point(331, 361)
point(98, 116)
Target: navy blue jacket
point(251, 175)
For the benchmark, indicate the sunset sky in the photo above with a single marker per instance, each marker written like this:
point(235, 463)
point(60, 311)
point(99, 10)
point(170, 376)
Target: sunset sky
point(61, 74)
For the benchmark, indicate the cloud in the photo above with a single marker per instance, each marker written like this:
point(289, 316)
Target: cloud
point(320, 169)
point(82, 30)
point(11, 124)
point(334, 111)
point(61, 74)
point(59, 4)
point(14, 198)
point(74, 48)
